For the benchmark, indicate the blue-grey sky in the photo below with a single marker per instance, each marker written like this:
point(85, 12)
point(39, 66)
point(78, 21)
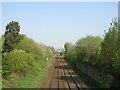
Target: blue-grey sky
point(54, 23)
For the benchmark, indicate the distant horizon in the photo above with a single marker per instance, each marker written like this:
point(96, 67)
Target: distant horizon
point(54, 23)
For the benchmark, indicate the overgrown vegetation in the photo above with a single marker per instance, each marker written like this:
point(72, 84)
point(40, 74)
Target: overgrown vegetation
point(104, 52)
point(21, 55)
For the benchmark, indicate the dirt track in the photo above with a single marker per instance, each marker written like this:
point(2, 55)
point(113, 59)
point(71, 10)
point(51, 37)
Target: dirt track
point(62, 76)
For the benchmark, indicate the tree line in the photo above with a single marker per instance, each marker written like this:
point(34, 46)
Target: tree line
point(95, 50)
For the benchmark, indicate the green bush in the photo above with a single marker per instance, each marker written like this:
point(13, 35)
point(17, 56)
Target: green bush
point(116, 64)
point(107, 82)
point(39, 51)
point(88, 48)
point(18, 61)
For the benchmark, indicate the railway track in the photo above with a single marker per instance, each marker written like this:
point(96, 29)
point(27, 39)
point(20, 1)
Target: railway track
point(72, 77)
point(54, 83)
point(63, 77)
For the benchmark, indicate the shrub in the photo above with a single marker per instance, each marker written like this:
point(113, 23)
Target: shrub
point(107, 82)
point(116, 64)
point(18, 61)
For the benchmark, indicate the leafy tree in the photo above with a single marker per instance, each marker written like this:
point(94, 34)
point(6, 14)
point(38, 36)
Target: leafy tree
point(1, 44)
point(52, 48)
point(70, 51)
point(109, 46)
point(116, 63)
point(67, 46)
point(11, 35)
point(88, 48)
point(118, 33)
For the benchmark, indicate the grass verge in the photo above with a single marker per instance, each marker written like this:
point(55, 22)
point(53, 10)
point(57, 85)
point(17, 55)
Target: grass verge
point(34, 80)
